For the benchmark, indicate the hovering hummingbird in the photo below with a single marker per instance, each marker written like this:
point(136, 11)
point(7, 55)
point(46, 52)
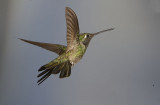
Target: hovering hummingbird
point(69, 55)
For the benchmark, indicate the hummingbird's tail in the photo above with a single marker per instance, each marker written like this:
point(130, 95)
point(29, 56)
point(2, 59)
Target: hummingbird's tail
point(54, 68)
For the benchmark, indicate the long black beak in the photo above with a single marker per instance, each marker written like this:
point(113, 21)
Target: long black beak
point(103, 31)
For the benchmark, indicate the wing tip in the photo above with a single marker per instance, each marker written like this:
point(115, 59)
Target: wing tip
point(68, 8)
point(21, 39)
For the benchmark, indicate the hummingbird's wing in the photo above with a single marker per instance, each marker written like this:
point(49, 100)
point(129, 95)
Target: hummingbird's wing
point(72, 28)
point(58, 49)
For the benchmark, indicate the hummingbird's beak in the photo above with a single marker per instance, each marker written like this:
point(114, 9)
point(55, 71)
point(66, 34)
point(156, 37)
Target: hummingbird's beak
point(103, 31)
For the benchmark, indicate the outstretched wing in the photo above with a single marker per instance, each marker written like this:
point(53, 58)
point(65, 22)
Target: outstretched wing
point(72, 28)
point(58, 49)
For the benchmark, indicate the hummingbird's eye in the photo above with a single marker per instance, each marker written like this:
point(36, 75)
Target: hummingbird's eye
point(87, 36)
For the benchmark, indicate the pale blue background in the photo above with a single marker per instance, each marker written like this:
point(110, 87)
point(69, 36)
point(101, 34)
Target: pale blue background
point(120, 67)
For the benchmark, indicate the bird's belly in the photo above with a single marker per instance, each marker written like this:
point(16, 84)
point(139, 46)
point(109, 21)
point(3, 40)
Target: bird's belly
point(77, 54)
point(75, 59)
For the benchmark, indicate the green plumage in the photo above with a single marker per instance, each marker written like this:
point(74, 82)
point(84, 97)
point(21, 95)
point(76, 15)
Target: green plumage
point(68, 55)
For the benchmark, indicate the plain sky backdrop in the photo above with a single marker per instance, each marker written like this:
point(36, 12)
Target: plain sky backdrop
point(120, 67)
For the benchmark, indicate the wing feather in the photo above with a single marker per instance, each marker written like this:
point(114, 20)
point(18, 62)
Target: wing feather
point(58, 49)
point(72, 28)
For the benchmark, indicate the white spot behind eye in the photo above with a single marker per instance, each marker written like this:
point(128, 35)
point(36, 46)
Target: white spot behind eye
point(86, 36)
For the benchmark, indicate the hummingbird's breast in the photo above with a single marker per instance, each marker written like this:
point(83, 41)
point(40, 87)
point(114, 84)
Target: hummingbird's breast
point(77, 53)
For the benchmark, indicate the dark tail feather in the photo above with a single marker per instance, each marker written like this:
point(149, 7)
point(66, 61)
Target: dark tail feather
point(58, 68)
point(44, 77)
point(42, 68)
point(64, 68)
point(42, 73)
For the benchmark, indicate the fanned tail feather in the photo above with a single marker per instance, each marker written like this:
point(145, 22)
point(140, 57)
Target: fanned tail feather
point(66, 70)
point(54, 68)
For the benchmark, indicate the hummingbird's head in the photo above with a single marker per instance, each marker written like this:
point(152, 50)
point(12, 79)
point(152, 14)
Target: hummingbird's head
point(85, 38)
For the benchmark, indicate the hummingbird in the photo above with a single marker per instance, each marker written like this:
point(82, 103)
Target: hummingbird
point(77, 43)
